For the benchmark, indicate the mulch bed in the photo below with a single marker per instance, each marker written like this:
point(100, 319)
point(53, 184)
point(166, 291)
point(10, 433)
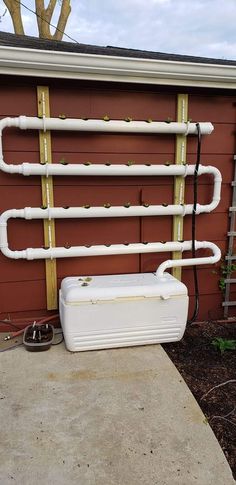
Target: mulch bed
point(203, 367)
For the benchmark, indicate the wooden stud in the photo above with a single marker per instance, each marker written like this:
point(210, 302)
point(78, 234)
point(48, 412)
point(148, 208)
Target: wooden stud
point(47, 198)
point(179, 183)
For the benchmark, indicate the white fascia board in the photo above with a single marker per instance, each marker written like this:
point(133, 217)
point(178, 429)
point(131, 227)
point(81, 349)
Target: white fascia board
point(70, 65)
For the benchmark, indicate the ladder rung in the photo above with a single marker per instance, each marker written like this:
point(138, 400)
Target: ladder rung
point(232, 209)
point(230, 280)
point(232, 258)
point(229, 303)
point(231, 233)
point(233, 184)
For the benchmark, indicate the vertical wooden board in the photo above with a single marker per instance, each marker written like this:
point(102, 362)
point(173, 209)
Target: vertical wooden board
point(47, 198)
point(179, 184)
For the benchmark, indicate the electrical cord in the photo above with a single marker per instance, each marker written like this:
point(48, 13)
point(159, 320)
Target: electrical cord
point(195, 193)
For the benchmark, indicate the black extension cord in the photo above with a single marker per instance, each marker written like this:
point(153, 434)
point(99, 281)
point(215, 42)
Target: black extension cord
point(195, 190)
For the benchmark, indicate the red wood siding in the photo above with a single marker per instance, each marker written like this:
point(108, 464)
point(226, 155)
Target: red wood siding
point(22, 283)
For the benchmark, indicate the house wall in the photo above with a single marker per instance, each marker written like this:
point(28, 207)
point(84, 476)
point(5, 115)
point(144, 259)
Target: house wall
point(22, 283)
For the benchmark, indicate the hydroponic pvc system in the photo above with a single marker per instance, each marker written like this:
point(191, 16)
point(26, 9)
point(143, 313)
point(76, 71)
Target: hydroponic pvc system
point(116, 126)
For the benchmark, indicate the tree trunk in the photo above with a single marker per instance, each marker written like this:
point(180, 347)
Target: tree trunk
point(44, 16)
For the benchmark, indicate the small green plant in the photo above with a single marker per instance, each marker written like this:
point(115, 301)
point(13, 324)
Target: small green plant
point(130, 162)
point(128, 119)
point(222, 284)
point(63, 161)
point(222, 344)
point(106, 118)
point(225, 270)
point(62, 116)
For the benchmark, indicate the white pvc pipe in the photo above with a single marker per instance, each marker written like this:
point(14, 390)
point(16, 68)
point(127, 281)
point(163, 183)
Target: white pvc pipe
point(173, 263)
point(120, 170)
point(114, 126)
point(40, 253)
point(99, 212)
point(23, 122)
point(115, 249)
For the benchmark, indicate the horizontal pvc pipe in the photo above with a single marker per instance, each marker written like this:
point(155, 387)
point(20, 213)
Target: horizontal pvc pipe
point(114, 126)
point(123, 170)
point(25, 122)
point(116, 249)
point(173, 263)
point(88, 212)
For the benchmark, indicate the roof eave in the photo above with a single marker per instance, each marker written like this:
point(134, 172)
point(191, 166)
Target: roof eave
point(69, 65)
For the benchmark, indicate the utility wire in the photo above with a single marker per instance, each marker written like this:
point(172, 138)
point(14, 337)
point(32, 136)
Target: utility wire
point(44, 20)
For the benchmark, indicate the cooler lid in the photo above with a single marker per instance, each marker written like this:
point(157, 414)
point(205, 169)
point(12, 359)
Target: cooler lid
point(110, 287)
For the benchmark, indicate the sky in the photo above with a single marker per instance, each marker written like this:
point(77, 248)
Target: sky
point(200, 28)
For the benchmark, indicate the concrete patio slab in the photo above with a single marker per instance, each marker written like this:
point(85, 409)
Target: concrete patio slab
point(110, 417)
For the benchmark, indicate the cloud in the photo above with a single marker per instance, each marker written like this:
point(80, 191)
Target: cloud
point(204, 27)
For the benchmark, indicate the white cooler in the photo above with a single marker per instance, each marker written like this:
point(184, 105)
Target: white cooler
point(102, 312)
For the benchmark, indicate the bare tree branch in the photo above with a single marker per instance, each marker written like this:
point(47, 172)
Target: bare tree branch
point(50, 9)
point(44, 16)
point(15, 13)
point(39, 7)
point(64, 14)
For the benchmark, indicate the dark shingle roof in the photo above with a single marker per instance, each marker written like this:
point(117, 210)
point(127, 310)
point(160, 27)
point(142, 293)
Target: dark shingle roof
point(12, 40)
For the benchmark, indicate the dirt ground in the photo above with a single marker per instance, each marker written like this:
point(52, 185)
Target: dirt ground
point(203, 367)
